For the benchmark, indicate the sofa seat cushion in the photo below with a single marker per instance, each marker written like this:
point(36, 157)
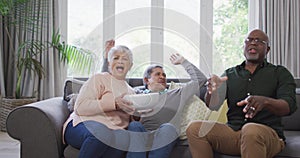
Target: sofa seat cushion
point(181, 150)
point(71, 152)
point(292, 144)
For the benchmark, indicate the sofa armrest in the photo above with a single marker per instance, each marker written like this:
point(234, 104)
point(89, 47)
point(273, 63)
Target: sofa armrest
point(38, 127)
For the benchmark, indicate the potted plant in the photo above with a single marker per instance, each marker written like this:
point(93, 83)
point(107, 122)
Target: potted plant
point(17, 21)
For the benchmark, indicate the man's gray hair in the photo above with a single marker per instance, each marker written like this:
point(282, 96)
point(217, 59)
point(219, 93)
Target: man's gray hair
point(148, 72)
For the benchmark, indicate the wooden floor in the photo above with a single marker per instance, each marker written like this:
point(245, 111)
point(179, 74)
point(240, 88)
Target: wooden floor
point(9, 148)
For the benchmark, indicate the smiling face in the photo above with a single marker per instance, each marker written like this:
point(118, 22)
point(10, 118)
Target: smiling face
point(120, 63)
point(256, 47)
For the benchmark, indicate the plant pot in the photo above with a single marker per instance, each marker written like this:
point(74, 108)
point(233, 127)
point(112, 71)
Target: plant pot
point(7, 105)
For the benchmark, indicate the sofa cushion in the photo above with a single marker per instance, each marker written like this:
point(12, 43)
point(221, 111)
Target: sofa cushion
point(71, 102)
point(72, 86)
point(195, 109)
point(71, 90)
point(71, 152)
point(220, 115)
point(292, 144)
point(181, 150)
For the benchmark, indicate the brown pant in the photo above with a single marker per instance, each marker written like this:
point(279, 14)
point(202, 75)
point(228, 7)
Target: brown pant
point(252, 141)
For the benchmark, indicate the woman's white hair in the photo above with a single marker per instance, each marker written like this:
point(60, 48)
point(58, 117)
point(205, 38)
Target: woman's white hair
point(120, 48)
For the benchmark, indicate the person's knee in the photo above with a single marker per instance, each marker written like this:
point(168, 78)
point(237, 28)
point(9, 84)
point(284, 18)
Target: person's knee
point(167, 129)
point(250, 128)
point(193, 129)
point(168, 126)
point(250, 132)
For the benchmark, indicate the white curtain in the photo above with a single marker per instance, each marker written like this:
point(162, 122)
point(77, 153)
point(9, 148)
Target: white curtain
point(280, 19)
point(2, 89)
point(51, 84)
point(56, 72)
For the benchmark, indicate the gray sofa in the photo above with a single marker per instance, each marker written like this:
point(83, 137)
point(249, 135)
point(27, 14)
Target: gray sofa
point(38, 126)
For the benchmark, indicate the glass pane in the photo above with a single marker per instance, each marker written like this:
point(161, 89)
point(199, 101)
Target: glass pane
point(127, 5)
point(230, 29)
point(175, 43)
point(132, 28)
point(139, 43)
point(84, 27)
point(189, 8)
point(181, 34)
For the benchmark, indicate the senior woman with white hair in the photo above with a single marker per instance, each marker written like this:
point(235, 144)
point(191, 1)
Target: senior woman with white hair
point(101, 115)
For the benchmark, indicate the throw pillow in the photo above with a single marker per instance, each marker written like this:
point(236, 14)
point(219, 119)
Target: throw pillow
point(72, 86)
point(195, 109)
point(220, 115)
point(71, 90)
point(71, 102)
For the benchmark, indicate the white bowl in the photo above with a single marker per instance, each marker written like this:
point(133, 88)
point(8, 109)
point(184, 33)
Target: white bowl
point(143, 101)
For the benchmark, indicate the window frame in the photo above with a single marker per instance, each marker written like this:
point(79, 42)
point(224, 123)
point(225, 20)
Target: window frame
point(157, 32)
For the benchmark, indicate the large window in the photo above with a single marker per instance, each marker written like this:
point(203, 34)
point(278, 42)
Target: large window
point(208, 33)
point(181, 33)
point(230, 28)
point(133, 29)
point(84, 23)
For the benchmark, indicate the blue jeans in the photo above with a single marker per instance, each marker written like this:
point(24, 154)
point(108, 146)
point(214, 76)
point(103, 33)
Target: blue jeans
point(95, 140)
point(159, 143)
